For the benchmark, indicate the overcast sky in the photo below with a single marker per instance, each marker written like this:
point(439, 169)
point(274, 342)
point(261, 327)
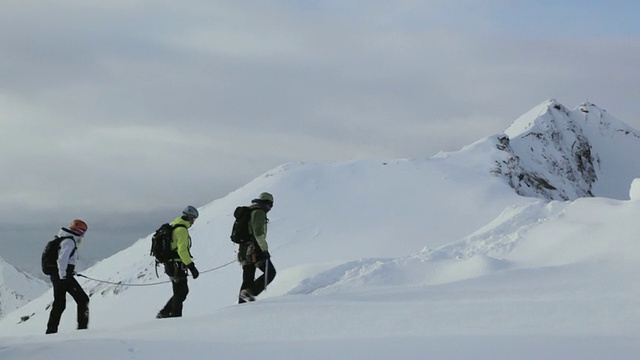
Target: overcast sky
point(123, 112)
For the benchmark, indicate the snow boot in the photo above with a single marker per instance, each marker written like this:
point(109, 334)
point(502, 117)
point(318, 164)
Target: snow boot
point(246, 295)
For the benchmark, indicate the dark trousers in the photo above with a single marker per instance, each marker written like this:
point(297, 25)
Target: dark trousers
point(178, 274)
point(257, 286)
point(60, 290)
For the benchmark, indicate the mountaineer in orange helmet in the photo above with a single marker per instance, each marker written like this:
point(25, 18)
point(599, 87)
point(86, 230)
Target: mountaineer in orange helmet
point(67, 241)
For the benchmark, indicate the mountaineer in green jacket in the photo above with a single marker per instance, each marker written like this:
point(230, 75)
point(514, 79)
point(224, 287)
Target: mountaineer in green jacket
point(255, 254)
point(176, 269)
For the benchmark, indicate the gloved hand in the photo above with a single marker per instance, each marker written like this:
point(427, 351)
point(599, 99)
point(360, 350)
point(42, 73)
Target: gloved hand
point(71, 270)
point(194, 271)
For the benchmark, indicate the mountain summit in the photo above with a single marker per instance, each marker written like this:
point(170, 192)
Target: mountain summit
point(555, 153)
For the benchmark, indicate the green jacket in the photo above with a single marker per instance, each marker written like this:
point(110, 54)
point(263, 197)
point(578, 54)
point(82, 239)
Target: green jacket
point(181, 241)
point(258, 227)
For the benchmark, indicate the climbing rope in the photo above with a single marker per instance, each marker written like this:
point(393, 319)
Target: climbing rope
point(120, 283)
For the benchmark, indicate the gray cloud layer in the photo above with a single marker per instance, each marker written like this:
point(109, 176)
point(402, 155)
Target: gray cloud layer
point(112, 109)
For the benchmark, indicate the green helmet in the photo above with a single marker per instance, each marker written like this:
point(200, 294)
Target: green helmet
point(265, 196)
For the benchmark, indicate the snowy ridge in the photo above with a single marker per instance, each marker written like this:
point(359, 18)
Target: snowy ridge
point(483, 252)
point(522, 237)
point(17, 288)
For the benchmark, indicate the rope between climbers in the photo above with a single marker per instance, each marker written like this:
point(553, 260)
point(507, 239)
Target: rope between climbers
point(151, 284)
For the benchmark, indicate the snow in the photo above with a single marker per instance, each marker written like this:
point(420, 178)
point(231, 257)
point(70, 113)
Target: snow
point(377, 259)
point(562, 154)
point(17, 288)
point(527, 122)
point(634, 192)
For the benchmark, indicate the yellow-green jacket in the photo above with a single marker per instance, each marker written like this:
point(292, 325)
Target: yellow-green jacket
point(181, 241)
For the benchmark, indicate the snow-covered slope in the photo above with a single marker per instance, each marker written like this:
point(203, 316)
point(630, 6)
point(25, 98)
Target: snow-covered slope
point(395, 250)
point(542, 281)
point(561, 154)
point(565, 235)
point(324, 215)
point(17, 288)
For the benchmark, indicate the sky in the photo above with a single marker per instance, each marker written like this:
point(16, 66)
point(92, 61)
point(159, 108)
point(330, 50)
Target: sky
point(487, 274)
point(122, 113)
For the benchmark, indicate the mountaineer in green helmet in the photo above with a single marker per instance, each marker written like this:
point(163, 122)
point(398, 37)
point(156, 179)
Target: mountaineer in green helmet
point(255, 253)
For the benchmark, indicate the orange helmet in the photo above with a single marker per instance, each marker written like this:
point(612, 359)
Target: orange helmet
point(78, 226)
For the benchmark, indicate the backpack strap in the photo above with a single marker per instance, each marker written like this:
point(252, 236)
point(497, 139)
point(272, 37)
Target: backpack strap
point(174, 227)
point(253, 239)
point(251, 210)
point(75, 245)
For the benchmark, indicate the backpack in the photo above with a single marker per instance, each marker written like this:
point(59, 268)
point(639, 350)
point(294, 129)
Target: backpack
point(49, 259)
point(240, 231)
point(161, 243)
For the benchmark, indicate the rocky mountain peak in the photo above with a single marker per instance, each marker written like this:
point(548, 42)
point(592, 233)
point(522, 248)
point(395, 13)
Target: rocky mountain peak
point(560, 154)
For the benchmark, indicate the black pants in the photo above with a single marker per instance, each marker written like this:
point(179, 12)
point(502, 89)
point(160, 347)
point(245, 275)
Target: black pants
point(256, 286)
point(178, 274)
point(60, 290)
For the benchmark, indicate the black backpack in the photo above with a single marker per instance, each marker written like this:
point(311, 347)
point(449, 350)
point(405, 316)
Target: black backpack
point(161, 243)
point(240, 231)
point(50, 255)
